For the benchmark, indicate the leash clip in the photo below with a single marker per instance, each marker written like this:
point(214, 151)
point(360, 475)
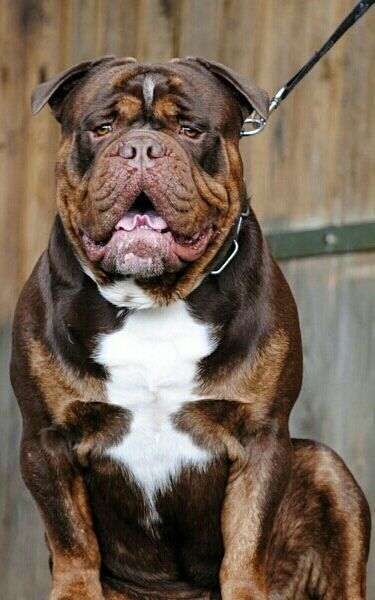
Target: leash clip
point(257, 125)
point(243, 215)
point(276, 99)
point(256, 122)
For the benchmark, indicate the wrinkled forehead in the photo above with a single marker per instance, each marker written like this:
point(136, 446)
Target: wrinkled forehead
point(152, 87)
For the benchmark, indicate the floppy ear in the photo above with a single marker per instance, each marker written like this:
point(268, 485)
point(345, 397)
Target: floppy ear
point(254, 97)
point(56, 89)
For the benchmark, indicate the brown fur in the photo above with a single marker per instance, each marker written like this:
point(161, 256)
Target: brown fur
point(76, 557)
point(165, 108)
point(77, 405)
point(129, 107)
point(268, 519)
point(59, 384)
point(226, 195)
point(253, 381)
point(222, 192)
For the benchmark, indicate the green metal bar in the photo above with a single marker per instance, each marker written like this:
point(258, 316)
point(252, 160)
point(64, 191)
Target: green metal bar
point(333, 239)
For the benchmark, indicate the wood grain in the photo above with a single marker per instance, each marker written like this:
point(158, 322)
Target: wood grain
point(313, 165)
point(335, 298)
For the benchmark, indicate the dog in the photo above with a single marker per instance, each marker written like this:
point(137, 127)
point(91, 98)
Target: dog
point(157, 356)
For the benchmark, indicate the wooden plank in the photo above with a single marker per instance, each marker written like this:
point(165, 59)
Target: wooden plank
point(335, 297)
point(200, 28)
point(86, 21)
point(28, 55)
point(36, 205)
point(312, 163)
point(122, 24)
point(23, 553)
point(156, 33)
point(11, 150)
point(11, 104)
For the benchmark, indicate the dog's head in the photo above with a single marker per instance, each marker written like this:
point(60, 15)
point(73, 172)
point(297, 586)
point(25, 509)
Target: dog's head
point(149, 174)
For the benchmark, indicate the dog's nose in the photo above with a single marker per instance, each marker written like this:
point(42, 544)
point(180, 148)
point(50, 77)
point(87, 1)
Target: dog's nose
point(141, 152)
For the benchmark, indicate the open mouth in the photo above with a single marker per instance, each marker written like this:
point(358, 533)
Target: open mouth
point(143, 235)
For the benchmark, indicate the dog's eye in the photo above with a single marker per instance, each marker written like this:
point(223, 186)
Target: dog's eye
point(189, 131)
point(103, 129)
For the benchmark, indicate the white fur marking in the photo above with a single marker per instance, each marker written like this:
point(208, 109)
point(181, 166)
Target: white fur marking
point(148, 90)
point(152, 364)
point(126, 293)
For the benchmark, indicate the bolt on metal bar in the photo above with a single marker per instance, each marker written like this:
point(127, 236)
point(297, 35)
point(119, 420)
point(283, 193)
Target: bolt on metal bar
point(333, 239)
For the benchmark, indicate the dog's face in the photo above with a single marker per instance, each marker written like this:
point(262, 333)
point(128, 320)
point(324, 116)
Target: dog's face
point(149, 175)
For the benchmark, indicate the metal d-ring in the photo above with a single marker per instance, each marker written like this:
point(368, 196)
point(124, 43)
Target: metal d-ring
point(230, 257)
point(257, 123)
point(243, 215)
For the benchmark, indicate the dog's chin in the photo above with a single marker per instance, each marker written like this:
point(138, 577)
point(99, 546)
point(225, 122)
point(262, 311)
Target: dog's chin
point(145, 253)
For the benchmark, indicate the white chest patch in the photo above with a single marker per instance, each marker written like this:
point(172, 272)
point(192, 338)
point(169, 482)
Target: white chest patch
point(126, 293)
point(152, 364)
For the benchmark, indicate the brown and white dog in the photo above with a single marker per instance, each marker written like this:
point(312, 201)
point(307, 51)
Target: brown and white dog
point(155, 395)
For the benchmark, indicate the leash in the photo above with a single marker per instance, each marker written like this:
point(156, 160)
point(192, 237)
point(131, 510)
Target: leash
point(257, 123)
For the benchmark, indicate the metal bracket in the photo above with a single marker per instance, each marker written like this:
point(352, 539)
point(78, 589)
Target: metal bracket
point(333, 239)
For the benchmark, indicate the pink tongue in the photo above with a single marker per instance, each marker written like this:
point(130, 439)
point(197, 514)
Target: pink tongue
point(132, 220)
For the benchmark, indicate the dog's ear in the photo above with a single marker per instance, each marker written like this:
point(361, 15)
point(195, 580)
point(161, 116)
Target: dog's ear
point(253, 96)
point(56, 89)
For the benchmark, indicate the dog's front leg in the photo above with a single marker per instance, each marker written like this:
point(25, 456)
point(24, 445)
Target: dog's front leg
point(59, 490)
point(258, 476)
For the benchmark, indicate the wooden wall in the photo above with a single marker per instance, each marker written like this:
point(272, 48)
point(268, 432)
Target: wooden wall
point(310, 167)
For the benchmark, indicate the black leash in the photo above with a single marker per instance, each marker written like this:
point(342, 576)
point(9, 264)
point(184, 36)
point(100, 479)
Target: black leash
point(258, 123)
